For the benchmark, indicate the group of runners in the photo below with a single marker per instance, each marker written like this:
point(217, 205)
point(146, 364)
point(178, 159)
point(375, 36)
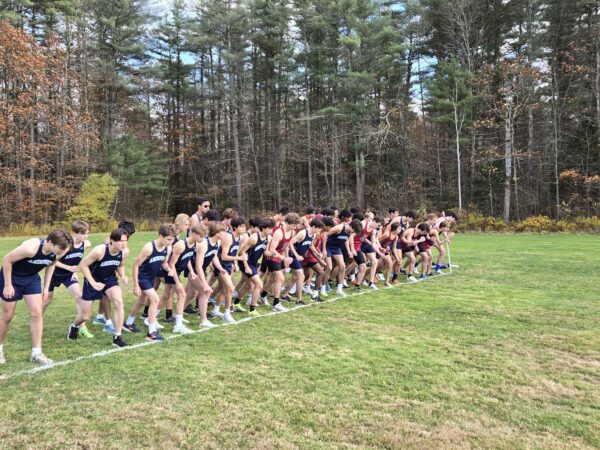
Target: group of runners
point(325, 251)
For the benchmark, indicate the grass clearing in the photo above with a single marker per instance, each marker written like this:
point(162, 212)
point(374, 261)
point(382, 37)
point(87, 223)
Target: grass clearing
point(504, 353)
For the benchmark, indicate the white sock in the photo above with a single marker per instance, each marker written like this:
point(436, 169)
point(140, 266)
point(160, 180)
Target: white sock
point(108, 322)
point(100, 316)
point(216, 309)
point(36, 351)
point(323, 289)
point(151, 328)
point(130, 320)
point(340, 286)
point(178, 320)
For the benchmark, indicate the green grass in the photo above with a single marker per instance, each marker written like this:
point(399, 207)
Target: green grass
point(504, 353)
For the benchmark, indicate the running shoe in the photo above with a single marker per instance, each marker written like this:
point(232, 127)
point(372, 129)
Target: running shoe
point(110, 329)
point(372, 286)
point(73, 333)
point(154, 336)
point(340, 292)
point(227, 317)
point(423, 277)
point(207, 324)
point(84, 332)
point(119, 342)
point(216, 313)
point(300, 303)
point(41, 359)
point(279, 307)
point(181, 329)
point(239, 308)
point(133, 328)
point(158, 325)
point(170, 320)
point(254, 313)
point(189, 309)
point(99, 321)
point(2, 360)
point(412, 279)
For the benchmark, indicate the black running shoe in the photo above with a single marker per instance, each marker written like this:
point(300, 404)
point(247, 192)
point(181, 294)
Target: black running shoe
point(170, 320)
point(300, 303)
point(190, 310)
point(119, 342)
point(133, 328)
point(73, 333)
point(144, 315)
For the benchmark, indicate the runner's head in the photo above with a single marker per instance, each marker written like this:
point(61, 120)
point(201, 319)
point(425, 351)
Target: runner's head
point(356, 226)
point(127, 226)
point(345, 216)
point(215, 229)
point(167, 233)
point(238, 225)
point(81, 228)
point(182, 223)
point(60, 241)
point(118, 238)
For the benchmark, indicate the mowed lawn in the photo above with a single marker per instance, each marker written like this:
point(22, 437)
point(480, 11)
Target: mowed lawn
point(504, 353)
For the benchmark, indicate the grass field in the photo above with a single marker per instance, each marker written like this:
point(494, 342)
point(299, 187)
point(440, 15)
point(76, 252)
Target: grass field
point(504, 353)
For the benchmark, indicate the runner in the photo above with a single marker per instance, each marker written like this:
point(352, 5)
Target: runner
point(19, 279)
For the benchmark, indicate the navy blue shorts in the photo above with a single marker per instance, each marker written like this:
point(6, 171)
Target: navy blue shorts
point(228, 266)
point(146, 283)
point(66, 281)
point(253, 269)
point(171, 280)
point(334, 251)
point(30, 285)
point(274, 266)
point(296, 265)
point(90, 294)
point(366, 248)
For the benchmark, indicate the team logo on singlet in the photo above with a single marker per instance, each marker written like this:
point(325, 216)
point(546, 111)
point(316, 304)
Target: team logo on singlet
point(156, 258)
point(211, 253)
point(187, 255)
point(110, 263)
point(40, 262)
point(73, 255)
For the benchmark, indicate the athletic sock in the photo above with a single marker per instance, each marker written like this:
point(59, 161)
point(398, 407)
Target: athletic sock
point(35, 351)
point(168, 313)
point(178, 320)
point(75, 326)
point(108, 322)
point(264, 293)
point(236, 301)
point(100, 316)
point(275, 301)
point(252, 308)
point(151, 328)
point(146, 310)
point(130, 320)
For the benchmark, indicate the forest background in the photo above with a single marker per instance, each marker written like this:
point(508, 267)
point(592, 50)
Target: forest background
point(491, 107)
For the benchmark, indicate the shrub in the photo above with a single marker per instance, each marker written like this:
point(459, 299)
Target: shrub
point(97, 194)
point(535, 223)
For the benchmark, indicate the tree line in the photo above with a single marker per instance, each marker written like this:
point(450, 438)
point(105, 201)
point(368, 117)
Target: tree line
point(490, 106)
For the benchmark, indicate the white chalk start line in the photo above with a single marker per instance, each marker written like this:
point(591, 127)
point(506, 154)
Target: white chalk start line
point(110, 351)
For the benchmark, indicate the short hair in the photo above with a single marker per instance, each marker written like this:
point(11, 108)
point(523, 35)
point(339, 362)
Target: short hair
point(238, 221)
point(451, 214)
point(358, 216)
point(284, 210)
point(334, 208)
point(266, 223)
point(229, 213)
point(328, 221)
point(117, 234)
point(355, 210)
point(292, 219)
point(394, 226)
point(126, 226)
point(254, 222)
point(378, 219)
point(61, 238)
point(345, 214)
point(80, 227)
point(443, 224)
point(393, 209)
point(166, 230)
point(180, 219)
point(212, 215)
point(199, 228)
point(431, 216)
point(424, 227)
point(201, 200)
point(356, 226)
point(410, 213)
point(311, 210)
point(215, 228)
point(317, 223)
point(328, 212)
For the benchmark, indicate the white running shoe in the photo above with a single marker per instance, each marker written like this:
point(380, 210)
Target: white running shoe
point(182, 329)
point(412, 279)
point(279, 307)
point(41, 359)
point(158, 325)
point(307, 289)
point(227, 317)
point(207, 324)
point(388, 285)
point(340, 291)
point(184, 320)
point(372, 286)
point(216, 313)
point(2, 360)
point(264, 301)
point(380, 276)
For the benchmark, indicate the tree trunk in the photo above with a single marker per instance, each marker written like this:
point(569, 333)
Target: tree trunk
point(507, 162)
